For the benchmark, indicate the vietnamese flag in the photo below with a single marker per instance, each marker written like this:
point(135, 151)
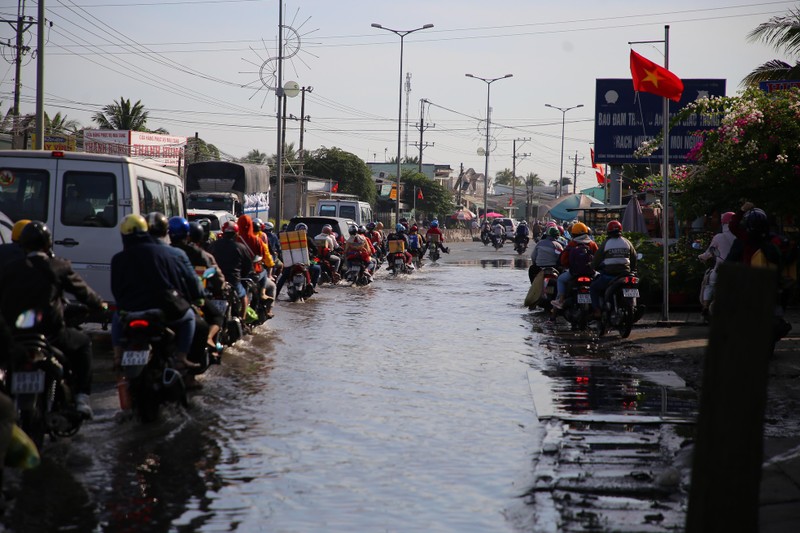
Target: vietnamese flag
point(335, 187)
point(510, 201)
point(598, 169)
point(419, 195)
point(651, 78)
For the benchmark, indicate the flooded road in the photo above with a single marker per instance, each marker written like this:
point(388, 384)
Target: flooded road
point(401, 406)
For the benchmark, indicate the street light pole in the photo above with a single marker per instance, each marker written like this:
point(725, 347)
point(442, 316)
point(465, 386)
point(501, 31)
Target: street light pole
point(489, 82)
point(563, 121)
point(401, 34)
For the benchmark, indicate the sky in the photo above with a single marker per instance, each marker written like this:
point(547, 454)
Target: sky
point(200, 66)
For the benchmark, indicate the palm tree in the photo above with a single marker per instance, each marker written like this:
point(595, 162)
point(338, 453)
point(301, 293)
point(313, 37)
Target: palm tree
point(533, 180)
point(255, 156)
point(783, 34)
point(121, 115)
point(59, 125)
point(506, 177)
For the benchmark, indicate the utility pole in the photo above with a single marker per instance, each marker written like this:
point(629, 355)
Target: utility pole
point(514, 171)
point(20, 26)
point(39, 145)
point(422, 127)
point(575, 172)
point(408, 94)
point(300, 188)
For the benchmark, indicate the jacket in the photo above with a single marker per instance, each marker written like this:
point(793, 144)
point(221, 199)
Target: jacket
point(546, 253)
point(233, 258)
point(616, 256)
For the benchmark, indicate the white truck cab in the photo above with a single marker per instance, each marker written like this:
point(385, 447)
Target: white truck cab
point(83, 198)
point(356, 210)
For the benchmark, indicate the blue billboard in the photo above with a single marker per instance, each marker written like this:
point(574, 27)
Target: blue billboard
point(624, 120)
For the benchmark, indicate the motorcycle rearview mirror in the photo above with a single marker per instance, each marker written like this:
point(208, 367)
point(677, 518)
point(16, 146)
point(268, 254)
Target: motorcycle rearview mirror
point(257, 258)
point(210, 273)
point(639, 256)
point(27, 319)
point(697, 246)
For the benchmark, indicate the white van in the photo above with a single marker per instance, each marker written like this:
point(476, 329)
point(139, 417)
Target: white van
point(83, 198)
point(361, 212)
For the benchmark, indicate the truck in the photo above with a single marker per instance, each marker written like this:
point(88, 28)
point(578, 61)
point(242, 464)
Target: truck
point(238, 188)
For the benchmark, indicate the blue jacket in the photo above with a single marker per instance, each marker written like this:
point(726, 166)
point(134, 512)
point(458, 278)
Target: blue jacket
point(144, 269)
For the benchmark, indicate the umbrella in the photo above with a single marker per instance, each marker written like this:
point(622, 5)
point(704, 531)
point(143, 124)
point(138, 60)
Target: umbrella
point(492, 214)
point(463, 214)
point(632, 218)
point(565, 207)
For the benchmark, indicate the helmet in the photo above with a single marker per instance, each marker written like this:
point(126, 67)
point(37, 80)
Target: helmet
point(413, 228)
point(551, 224)
point(258, 225)
point(553, 232)
point(362, 229)
point(726, 217)
point(352, 230)
point(379, 225)
point(400, 228)
point(301, 227)
point(196, 232)
point(269, 226)
point(17, 229)
point(579, 228)
point(371, 226)
point(523, 223)
point(133, 224)
point(178, 227)
point(613, 226)
point(230, 227)
point(434, 223)
point(327, 229)
point(561, 229)
point(157, 224)
point(755, 221)
point(35, 236)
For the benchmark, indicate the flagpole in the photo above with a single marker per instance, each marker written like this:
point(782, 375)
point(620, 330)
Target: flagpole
point(665, 180)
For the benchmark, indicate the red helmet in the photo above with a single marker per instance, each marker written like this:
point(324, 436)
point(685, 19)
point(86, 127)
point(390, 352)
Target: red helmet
point(726, 217)
point(230, 227)
point(614, 225)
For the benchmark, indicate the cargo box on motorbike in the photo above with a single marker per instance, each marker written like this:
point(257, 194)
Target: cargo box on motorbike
point(295, 247)
point(433, 238)
point(397, 247)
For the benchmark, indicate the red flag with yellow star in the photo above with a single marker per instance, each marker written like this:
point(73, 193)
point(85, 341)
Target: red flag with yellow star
point(651, 78)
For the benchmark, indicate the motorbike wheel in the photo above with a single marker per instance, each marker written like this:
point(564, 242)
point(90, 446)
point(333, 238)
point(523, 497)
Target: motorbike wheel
point(144, 397)
point(626, 322)
point(32, 421)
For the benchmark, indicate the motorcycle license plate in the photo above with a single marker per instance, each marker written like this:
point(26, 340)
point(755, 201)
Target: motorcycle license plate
point(584, 298)
point(135, 357)
point(299, 279)
point(27, 382)
point(630, 293)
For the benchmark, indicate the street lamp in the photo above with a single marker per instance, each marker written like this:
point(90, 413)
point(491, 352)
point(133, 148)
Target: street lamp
point(401, 34)
point(489, 82)
point(563, 120)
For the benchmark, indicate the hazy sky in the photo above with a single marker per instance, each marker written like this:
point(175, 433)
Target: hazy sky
point(197, 66)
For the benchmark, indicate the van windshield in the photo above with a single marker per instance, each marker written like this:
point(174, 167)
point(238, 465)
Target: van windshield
point(347, 211)
point(327, 210)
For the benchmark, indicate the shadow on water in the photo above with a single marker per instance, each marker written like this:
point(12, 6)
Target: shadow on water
point(587, 377)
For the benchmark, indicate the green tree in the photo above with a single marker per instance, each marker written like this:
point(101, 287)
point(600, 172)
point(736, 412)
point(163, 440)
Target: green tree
point(436, 200)
point(506, 177)
point(349, 170)
point(122, 115)
point(198, 150)
point(255, 156)
point(783, 34)
point(533, 180)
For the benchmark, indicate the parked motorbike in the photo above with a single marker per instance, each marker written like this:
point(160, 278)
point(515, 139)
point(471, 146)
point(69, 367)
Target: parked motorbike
point(357, 273)
point(40, 383)
point(619, 305)
point(150, 378)
point(298, 286)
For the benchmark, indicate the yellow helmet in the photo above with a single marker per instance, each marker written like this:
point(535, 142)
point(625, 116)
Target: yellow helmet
point(16, 231)
point(133, 224)
point(579, 228)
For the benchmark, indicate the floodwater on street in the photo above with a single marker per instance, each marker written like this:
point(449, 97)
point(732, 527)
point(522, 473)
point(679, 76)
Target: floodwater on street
point(401, 406)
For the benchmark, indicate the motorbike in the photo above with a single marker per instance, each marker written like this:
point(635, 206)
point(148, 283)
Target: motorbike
point(328, 274)
point(521, 245)
point(709, 280)
point(497, 241)
point(550, 287)
point(578, 303)
point(619, 305)
point(298, 285)
point(40, 383)
point(150, 378)
point(485, 238)
point(357, 273)
point(397, 264)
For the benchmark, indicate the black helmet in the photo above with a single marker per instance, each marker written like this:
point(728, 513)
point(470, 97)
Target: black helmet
point(197, 233)
point(36, 237)
point(157, 224)
point(755, 222)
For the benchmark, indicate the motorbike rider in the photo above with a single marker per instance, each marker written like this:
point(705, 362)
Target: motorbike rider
point(498, 234)
point(11, 251)
point(141, 274)
point(400, 235)
point(433, 229)
point(314, 270)
point(262, 267)
point(233, 258)
point(718, 249)
point(614, 258)
point(376, 238)
point(486, 229)
point(521, 235)
point(326, 246)
point(576, 260)
point(178, 231)
point(38, 281)
point(546, 253)
point(416, 243)
point(274, 245)
point(359, 247)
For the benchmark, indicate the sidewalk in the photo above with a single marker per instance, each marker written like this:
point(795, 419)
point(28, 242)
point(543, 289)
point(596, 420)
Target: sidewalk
point(680, 346)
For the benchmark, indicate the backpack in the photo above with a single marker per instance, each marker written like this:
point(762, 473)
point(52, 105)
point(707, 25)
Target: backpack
point(580, 261)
